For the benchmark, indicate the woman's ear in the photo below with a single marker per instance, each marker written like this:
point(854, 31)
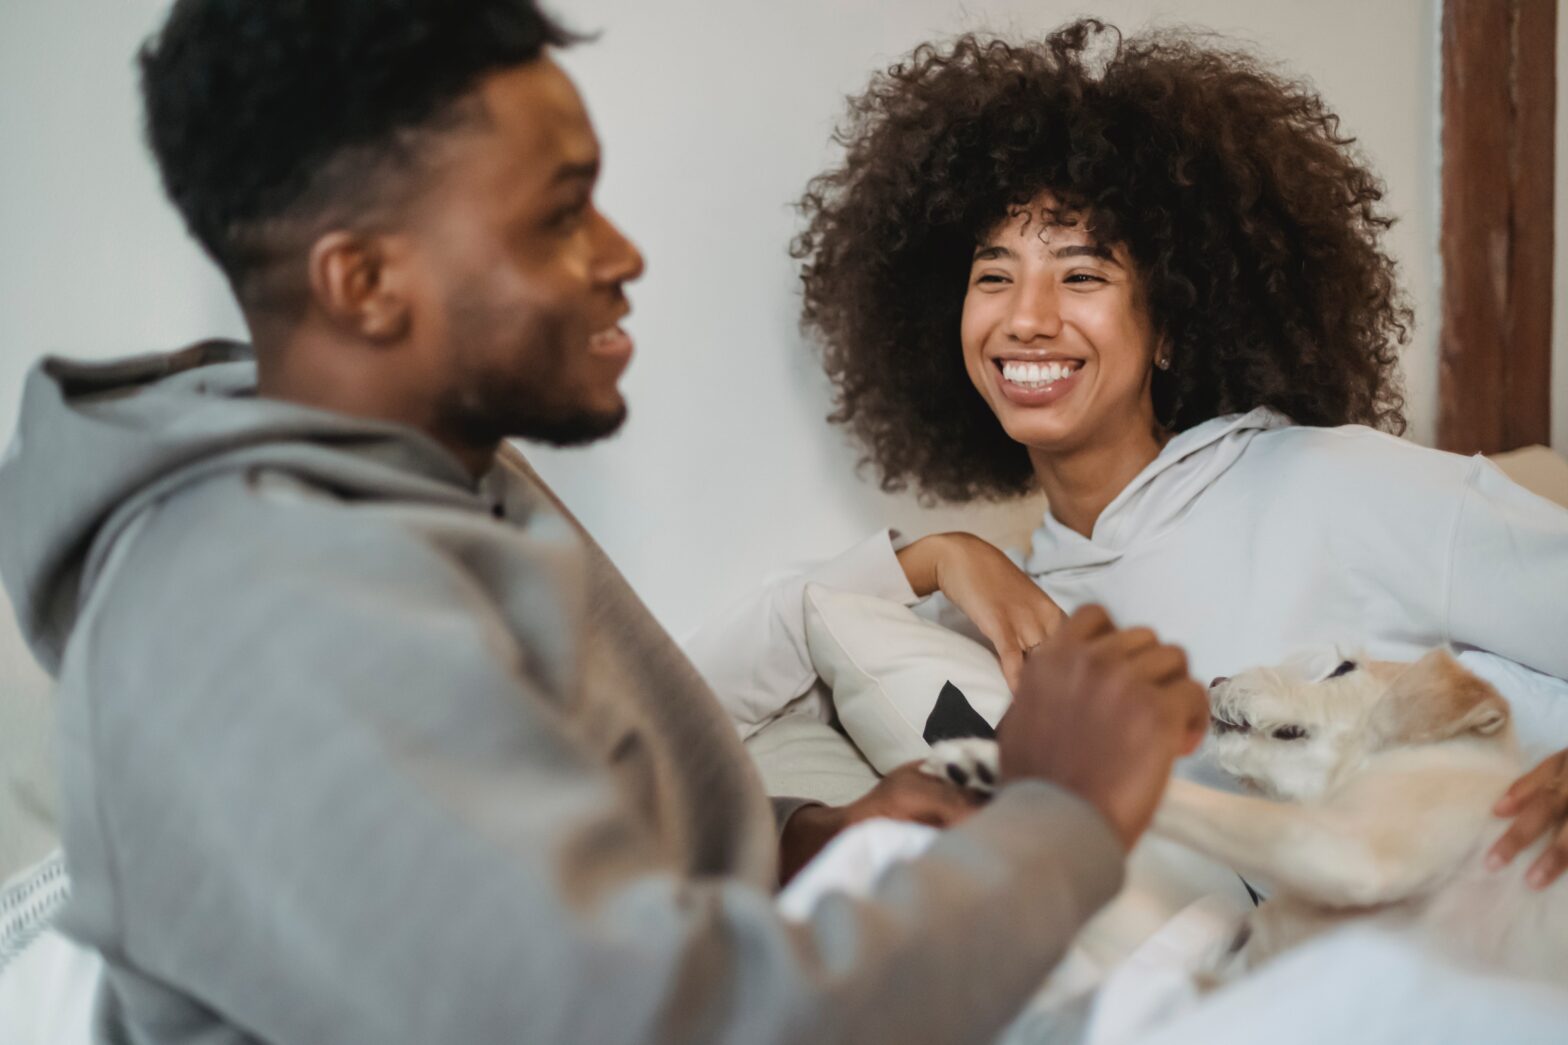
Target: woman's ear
point(354, 283)
point(1435, 699)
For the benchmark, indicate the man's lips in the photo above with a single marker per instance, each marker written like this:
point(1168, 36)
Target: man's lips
point(612, 343)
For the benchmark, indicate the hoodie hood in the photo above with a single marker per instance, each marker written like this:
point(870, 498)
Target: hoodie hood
point(100, 442)
point(1156, 498)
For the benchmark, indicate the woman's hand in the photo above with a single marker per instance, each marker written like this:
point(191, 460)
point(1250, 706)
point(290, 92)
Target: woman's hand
point(1003, 602)
point(1538, 802)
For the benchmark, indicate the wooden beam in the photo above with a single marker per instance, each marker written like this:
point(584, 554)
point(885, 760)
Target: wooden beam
point(1499, 113)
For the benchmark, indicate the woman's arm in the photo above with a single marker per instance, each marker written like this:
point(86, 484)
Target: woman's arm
point(1507, 589)
point(755, 655)
point(1508, 593)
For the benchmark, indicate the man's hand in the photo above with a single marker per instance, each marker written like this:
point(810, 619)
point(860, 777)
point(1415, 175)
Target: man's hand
point(1104, 713)
point(1002, 601)
point(1538, 802)
point(904, 794)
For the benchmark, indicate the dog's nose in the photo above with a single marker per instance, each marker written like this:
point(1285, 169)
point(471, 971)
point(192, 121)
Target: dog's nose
point(1219, 680)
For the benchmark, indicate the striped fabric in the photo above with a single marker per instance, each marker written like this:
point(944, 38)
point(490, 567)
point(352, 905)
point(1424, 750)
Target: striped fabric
point(29, 902)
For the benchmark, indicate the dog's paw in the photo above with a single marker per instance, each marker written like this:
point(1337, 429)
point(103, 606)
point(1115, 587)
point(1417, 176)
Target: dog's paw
point(971, 763)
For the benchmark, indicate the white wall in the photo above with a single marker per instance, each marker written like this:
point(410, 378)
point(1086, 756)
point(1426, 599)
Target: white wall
point(714, 115)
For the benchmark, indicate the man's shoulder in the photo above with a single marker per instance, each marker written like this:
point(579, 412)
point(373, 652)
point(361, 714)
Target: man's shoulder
point(248, 551)
point(268, 524)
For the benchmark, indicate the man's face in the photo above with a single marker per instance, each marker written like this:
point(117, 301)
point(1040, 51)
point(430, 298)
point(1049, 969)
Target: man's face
point(518, 279)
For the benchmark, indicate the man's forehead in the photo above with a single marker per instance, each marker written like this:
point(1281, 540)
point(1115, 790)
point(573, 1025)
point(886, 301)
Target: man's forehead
point(540, 121)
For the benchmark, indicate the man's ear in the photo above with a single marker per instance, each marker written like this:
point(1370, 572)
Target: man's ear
point(354, 281)
point(1435, 699)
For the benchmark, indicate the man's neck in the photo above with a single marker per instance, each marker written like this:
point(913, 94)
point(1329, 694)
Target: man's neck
point(355, 380)
point(1080, 484)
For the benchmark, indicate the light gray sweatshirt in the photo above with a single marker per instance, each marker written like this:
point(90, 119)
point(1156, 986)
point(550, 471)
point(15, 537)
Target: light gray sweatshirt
point(357, 750)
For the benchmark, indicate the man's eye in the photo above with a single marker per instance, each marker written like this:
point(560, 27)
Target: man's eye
point(567, 216)
point(1345, 668)
point(1290, 733)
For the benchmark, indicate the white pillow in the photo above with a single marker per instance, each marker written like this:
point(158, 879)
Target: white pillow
point(900, 682)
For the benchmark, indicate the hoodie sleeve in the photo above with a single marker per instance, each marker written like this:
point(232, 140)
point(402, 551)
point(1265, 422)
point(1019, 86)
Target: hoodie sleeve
point(1507, 589)
point(330, 800)
point(754, 655)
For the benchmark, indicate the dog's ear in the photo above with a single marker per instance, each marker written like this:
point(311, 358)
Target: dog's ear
point(1434, 699)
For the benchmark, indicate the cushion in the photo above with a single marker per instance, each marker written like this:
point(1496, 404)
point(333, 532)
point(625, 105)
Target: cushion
point(1538, 469)
point(900, 682)
point(800, 755)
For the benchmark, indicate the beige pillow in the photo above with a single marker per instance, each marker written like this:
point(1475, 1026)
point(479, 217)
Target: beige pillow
point(900, 682)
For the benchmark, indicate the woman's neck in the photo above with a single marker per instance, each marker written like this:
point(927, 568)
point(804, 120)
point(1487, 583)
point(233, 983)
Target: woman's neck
point(1081, 483)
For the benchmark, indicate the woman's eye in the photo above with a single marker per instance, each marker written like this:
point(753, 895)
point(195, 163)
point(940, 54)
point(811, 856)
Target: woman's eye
point(1084, 277)
point(991, 277)
point(1289, 733)
point(1345, 668)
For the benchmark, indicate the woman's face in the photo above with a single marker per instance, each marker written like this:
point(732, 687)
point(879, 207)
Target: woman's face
point(1055, 335)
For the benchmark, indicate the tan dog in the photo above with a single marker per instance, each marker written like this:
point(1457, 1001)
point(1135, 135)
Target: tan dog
point(1388, 773)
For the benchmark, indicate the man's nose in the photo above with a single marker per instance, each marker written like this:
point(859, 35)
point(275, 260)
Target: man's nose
point(620, 260)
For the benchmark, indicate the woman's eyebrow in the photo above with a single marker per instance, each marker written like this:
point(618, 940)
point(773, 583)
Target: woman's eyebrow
point(1085, 250)
point(992, 251)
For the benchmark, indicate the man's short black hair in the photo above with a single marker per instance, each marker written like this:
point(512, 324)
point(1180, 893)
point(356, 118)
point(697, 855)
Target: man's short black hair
point(264, 113)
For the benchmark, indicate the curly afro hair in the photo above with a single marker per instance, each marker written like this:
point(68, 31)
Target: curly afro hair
point(1254, 228)
point(261, 113)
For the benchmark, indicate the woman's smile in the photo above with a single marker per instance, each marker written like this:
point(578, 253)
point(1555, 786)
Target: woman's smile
point(1037, 383)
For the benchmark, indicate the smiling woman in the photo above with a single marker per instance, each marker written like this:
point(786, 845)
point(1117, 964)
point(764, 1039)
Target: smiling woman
point(1248, 234)
point(1146, 277)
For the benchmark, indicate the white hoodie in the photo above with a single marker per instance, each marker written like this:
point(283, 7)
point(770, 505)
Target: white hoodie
point(1247, 539)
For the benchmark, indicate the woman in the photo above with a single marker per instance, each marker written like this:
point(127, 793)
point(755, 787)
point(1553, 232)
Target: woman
point(1146, 278)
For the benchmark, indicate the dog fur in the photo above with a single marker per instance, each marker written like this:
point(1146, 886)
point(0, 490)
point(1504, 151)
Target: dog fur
point(1379, 781)
point(1375, 783)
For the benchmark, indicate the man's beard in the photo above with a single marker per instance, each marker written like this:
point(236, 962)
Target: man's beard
point(489, 403)
point(503, 407)
point(572, 430)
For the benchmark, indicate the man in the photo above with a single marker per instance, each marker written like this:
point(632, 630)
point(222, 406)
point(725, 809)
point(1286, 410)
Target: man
point(363, 740)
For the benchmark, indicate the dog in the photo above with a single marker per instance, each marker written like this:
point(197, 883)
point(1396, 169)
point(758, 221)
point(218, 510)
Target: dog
point(1374, 787)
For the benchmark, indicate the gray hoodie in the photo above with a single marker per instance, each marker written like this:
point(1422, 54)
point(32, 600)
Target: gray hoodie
point(354, 749)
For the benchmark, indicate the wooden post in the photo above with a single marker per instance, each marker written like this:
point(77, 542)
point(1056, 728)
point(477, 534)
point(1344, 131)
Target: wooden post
point(1499, 111)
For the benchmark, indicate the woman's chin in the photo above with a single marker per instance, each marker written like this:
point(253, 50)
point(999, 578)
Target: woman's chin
point(1043, 435)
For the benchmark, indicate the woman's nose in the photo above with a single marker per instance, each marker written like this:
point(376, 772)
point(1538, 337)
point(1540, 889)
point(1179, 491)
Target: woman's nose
point(1035, 314)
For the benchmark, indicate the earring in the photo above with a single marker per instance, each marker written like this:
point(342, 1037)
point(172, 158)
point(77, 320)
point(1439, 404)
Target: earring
point(1163, 360)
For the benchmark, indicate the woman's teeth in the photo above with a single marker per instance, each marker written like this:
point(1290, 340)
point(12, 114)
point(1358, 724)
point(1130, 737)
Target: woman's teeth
point(1036, 375)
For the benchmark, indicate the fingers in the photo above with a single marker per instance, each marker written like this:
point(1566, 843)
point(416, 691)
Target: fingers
point(1087, 623)
point(1550, 864)
point(907, 793)
point(1012, 666)
point(1526, 786)
point(1193, 700)
point(1538, 813)
point(1160, 664)
point(1130, 641)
